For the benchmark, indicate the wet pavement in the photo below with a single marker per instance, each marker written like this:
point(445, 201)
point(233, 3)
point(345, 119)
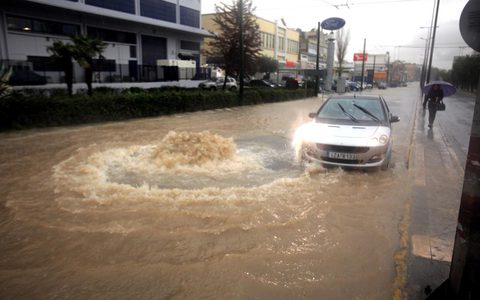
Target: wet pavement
point(439, 160)
point(111, 211)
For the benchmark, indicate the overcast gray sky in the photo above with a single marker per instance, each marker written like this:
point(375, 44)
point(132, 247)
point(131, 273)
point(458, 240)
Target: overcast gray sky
point(388, 25)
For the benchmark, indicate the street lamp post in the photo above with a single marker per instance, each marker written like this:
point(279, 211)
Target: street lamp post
point(424, 65)
point(432, 45)
point(317, 77)
point(242, 54)
point(363, 63)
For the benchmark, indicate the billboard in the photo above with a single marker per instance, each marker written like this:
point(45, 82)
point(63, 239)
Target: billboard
point(380, 76)
point(360, 57)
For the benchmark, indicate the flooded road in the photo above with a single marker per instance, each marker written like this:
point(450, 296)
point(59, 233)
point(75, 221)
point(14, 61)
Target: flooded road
point(207, 205)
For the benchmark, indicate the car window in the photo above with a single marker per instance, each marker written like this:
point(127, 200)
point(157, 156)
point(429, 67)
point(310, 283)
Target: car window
point(333, 109)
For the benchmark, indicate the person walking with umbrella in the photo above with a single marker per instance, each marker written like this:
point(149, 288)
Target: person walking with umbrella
point(435, 91)
point(434, 97)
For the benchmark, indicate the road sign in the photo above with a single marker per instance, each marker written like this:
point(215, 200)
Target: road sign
point(470, 24)
point(333, 23)
point(360, 57)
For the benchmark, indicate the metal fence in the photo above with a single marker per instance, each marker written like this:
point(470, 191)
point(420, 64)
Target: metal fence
point(36, 72)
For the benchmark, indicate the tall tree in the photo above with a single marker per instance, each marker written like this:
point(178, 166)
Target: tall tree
point(466, 72)
point(266, 65)
point(62, 54)
point(86, 50)
point(343, 39)
point(226, 43)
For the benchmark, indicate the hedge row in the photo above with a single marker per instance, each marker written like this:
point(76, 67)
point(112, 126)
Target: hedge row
point(19, 112)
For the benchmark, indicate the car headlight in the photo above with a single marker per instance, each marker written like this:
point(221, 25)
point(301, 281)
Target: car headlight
point(383, 139)
point(380, 141)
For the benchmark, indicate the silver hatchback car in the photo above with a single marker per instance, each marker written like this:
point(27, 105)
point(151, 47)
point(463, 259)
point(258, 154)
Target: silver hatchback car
point(349, 131)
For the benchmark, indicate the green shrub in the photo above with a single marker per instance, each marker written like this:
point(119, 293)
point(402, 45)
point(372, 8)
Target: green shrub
point(133, 90)
point(32, 109)
point(105, 90)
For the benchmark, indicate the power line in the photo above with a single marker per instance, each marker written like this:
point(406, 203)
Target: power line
point(423, 47)
point(338, 6)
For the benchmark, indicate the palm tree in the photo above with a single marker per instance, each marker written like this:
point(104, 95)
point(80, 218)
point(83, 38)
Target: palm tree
point(5, 88)
point(62, 55)
point(87, 49)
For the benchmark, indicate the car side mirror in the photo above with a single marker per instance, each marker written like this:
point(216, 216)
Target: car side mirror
point(394, 119)
point(312, 115)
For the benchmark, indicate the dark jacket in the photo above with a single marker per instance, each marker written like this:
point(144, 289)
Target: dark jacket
point(434, 97)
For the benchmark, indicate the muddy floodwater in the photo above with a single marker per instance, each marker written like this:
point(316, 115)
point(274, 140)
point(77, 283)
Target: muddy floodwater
point(207, 205)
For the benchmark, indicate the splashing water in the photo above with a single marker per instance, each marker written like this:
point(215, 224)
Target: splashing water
point(186, 148)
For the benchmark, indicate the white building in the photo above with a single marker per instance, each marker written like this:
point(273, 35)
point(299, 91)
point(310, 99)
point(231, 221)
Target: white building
point(138, 33)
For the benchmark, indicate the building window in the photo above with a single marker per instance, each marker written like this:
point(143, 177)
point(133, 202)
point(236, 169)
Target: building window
point(41, 26)
point(112, 35)
point(133, 51)
point(187, 45)
point(189, 17)
point(281, 43)
point(153, 49)
point(104, 65)
point(267, 40)
point(44, 64)
point(126, 6)
point(158, 9)
point(292, 46)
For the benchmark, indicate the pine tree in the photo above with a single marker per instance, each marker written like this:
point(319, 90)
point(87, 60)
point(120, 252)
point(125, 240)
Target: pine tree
point(226, 43)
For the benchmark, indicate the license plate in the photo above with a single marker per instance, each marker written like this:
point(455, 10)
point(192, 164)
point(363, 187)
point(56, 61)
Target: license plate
point(340, 155)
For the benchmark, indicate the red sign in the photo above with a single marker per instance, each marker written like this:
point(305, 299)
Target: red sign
point(360, 57)
point(290, 63)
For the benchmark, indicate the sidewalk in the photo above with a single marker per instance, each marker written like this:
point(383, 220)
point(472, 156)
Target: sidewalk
point(437, 177)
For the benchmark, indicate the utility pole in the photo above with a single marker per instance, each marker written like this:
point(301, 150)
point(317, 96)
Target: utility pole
point(363, 63)
point(388, 69)
point(317, 68)
point(242, 54)
point(432, 45)
point(373, 72)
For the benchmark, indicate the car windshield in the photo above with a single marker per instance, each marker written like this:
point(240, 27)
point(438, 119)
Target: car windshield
point(355, 110)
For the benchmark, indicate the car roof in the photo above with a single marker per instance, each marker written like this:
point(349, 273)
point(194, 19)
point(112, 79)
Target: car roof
point(363, 97)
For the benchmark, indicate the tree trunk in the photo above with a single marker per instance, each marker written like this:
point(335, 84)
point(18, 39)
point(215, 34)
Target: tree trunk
point(69, 78)
point(225, 80)
point(88, 79)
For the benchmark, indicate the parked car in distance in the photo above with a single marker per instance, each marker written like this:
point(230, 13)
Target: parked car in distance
point(382, 85)
point(348, 131)
point(218, 84)
point(352, 86)
point(261, 83)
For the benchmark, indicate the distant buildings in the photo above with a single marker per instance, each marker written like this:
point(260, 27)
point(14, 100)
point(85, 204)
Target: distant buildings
point(138, 34)
point(278, 41)
point(308, 49)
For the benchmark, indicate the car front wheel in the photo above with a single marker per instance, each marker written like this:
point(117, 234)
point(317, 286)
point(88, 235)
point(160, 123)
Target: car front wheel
point(388, 158)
